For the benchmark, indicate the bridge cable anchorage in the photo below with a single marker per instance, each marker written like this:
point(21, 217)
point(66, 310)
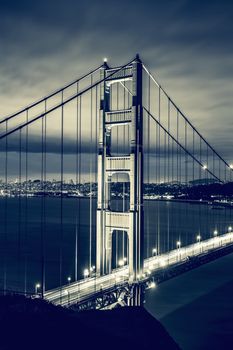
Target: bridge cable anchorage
point(63, 103)
point(180, 145)
point(184, 116)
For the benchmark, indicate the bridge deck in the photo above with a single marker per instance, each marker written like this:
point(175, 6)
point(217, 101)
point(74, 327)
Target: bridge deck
point(87, 288)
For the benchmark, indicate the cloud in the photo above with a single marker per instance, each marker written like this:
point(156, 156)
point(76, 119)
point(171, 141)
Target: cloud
point(186, 45)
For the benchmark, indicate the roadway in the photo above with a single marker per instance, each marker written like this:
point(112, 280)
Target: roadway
point(84, 289)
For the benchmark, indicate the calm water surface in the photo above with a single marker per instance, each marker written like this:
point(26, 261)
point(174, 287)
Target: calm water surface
point(28, 232)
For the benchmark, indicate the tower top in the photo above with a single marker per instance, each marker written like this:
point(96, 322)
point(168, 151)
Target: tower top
point(137, 58)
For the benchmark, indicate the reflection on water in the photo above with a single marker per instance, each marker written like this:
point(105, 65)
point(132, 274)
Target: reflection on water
point(26, 235)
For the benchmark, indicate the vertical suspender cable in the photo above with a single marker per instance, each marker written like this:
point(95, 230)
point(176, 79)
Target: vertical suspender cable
point(6, 209)
point(159, 175)
point(177, 149)
point(168, 176)
point(26, 208)
point(178, 168)
point(186, 180)
point(77, 186)
point(61, 197)
point(148, 172)
point(200, 150)
point(168, 142)
point(96, 146)
point(90, 207)
point(124, 152)
point(42, 205)
point(45, 187)
point(117, 150)
point(194, 156)
point(20, 205)
point(80, 163)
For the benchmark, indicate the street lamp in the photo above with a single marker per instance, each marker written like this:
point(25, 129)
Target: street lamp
point(152, 284)
point(69, 280)
point(178, 244)
point(229, 229)
point(121, 262)
point(37, 286)
point(86, 273)
point(154, 251)
point(215, 233)
point(92, 270)
point(199, 241)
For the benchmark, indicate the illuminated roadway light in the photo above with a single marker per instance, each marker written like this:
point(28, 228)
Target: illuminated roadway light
point(231, 166)
point(37, 286)
point(105, 59)
point(198, 238)
point(215, 232)
point(154, 251)
point(121, 262)
point(229, 228)
point(178, 243)
point(86, 273)
point(69, 279)
point(152, 285)
point(204, 167)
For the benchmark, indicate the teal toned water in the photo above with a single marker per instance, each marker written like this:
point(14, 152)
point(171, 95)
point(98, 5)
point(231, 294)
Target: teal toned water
point(23, 239)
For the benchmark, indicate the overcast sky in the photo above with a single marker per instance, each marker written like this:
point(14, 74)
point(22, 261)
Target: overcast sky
point(186, 44)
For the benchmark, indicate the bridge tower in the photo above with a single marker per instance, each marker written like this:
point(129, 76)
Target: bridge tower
point(131, 164)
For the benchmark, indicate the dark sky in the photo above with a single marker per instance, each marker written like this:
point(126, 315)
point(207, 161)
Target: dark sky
point(186, 44)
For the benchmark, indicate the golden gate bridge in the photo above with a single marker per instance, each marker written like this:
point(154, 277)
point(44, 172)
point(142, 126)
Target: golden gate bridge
point(126, 144)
